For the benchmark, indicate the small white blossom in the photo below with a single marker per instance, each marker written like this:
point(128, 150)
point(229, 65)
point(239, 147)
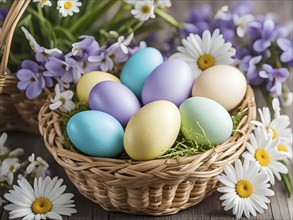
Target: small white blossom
point(37, 166)
point(123, 43)
point(288, 99)
point(163, 3)
point(67, 7)
point(242, 23)
point(222, 13)
point(8, 167)
point(44, 2)
point(143, 10)
point(3, 150)
point(33, 43)
point(62, 100)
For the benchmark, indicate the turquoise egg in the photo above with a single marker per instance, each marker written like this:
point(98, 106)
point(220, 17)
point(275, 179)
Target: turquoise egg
point(138, 67)
point(205, 121)
point(96, 133)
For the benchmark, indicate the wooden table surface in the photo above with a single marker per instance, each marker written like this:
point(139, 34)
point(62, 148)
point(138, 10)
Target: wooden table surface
point(281, 207)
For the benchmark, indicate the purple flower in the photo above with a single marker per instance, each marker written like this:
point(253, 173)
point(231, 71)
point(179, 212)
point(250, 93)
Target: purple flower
point(109, 57)
point(133, 50)
point(199, 21)
point(266, 34)
point(249, 66)
point(3, 14)
point(30, 79)
point(286, 46)
point(87, 45)
point(59, 69)
point(274, 78)
point(43, 55)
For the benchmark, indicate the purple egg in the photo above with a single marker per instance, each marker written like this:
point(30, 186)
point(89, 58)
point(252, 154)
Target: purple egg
point(115, 99)
point(171, 81)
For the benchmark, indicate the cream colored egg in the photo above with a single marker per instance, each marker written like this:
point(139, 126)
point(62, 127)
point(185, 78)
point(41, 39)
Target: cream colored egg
point(89, 80)
point(222, 83)
point(152, 130)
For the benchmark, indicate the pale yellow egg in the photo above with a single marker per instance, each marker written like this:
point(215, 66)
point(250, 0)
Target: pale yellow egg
point(152, 130)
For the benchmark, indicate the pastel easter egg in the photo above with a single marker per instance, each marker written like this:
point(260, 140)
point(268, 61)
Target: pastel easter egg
point(205, 121)
point(222, 83)
point(95, 133)
point(115, 99)
point(152, 130)
point(171, 81)
point(89, 80)
point(138, 67)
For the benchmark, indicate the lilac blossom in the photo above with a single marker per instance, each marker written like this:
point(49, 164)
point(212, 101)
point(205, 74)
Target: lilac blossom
point(43, 55)
point(58, 68)
point(287, 50)
point(274, 78)
point(88, 45)
point(30, 79)
point(250, 66)
point(267, 34)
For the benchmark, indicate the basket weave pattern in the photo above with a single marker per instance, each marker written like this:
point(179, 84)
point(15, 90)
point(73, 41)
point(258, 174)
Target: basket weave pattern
point(16, 111)
point(155, 187)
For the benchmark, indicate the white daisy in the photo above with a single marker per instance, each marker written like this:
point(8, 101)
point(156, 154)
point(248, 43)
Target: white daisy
point(288, 98)
point(67, 7)
point(205, 52)
point(263, 149)
point(3, 150)
point(7, 169)
point(37, 167)
point(279, 127)
point(62, 100)
point(44, 2)
point(245, 188)
point(143, 10)
point(45, 200)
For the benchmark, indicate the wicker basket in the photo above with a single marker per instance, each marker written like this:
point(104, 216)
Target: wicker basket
point(16, 111)
point(155, 187)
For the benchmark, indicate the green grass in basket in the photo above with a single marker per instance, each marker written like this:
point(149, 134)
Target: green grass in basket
point(183, 147)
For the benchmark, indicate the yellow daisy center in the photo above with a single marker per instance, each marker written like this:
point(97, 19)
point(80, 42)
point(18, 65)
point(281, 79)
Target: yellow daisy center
point(11, 168)
point(145, 9)
point(206, 61)
point(62, 100)
point(41, 206)
point(262, 157)
point(44, 1)
point(68, 5)
point(275, 134)
point(282, 148)
point(244, 188)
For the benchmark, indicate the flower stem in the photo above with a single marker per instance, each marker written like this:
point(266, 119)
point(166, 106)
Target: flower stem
point(168, 18)
point(286, 181)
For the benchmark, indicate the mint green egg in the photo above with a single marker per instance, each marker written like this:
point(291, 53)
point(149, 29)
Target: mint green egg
point(205, 121)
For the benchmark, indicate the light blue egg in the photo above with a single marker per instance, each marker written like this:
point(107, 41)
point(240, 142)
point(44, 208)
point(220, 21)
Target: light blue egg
point(138, 67)
point(96, 133)
point(205, 121)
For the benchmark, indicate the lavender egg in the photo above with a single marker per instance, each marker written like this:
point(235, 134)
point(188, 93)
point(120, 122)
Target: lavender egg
point(171, 81)
point(115, 99)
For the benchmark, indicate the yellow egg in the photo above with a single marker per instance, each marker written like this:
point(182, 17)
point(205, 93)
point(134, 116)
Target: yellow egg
point(222, 83)
point(152, 130)
point(89, 80)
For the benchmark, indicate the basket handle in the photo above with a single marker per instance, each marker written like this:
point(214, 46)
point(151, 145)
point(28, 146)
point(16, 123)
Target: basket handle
point(17, 9)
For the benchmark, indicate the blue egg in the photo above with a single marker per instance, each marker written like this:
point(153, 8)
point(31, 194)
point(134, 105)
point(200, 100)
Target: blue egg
point(96, 133)
point(138, 67)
